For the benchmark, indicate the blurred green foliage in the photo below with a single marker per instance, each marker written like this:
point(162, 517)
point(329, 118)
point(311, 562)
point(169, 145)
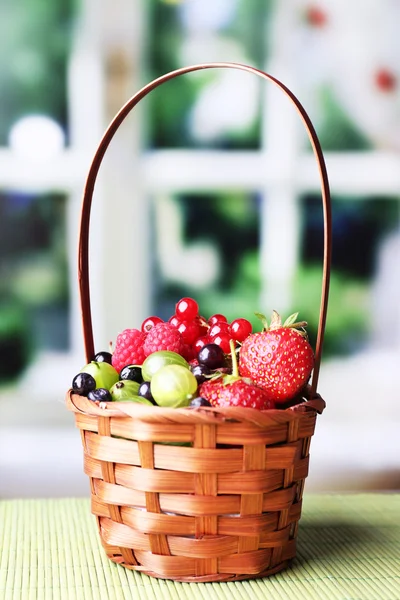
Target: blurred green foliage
point(337, 131)
point(348, 317)
point(170, 107)
point(15, 339)
point(33, 278)
point(35, 41)
point(230, 221)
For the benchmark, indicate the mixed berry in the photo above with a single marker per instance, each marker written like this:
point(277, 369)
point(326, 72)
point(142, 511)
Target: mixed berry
point(190, 361)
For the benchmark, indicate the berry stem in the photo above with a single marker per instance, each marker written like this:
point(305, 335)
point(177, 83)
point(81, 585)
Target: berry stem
point(235, 369)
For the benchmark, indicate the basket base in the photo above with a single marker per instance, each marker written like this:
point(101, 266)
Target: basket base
point(217, 578)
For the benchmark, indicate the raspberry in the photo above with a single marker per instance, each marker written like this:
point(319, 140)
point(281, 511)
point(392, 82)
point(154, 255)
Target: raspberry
point(162, 336)
point(128, 349)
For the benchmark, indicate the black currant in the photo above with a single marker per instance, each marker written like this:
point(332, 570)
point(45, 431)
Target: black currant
point(145, 391)
point(100, 394)
point(83, 383)
point(199, 401)
point(200, 372)
point(103, 357)
point(131, 372)
point(212, 356)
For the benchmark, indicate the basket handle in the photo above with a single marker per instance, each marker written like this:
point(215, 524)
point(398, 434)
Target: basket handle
point(83, 252)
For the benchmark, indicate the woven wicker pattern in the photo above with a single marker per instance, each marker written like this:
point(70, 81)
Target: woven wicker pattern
point(196, 495)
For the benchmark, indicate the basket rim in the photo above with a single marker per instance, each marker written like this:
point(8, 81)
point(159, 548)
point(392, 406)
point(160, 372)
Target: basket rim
point(186, 415)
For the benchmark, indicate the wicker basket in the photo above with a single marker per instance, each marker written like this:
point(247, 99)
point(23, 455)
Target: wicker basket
point(210, 494)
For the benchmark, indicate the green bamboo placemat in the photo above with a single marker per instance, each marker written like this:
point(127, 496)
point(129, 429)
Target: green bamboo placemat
point(348, 549)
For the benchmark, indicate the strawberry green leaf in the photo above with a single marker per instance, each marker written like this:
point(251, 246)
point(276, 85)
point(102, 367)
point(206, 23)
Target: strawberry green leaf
point(290, 320)
point(262, 319)
point(228, 379)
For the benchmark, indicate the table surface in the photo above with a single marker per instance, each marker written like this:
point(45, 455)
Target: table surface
point(348, 548)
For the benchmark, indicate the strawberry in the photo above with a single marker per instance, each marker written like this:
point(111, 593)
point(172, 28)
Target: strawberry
point(232, 390)
point(228, 390)
point(128, 349)
point(278, 359)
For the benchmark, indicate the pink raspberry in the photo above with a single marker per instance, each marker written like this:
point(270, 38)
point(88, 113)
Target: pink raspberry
point(128, 349)
point(162, 337)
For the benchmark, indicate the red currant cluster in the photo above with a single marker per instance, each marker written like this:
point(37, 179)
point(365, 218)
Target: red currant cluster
point(186, 332)
point(197, 331)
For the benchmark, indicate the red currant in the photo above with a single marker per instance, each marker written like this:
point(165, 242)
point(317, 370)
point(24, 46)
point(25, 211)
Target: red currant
point(217, 319)
point(222, 340)
point(187, 352)
point(189, 330)
point(149, 323)
point(200, 343)
point(174, 321)
point(202, 322)
point(187, 309)
point(240, 329)
point(218, 329)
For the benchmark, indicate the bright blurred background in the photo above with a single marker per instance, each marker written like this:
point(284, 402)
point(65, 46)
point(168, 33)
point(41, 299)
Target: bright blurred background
point(210, 189)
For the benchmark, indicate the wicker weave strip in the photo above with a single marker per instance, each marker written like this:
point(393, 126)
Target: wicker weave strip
point(190, 460)
point(171, 482)
point(251, 563)
point(168, 416)
point(226, 434)
point(185, 525)
point(191, 503)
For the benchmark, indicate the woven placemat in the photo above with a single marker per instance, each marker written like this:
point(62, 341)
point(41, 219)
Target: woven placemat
point(348, 549)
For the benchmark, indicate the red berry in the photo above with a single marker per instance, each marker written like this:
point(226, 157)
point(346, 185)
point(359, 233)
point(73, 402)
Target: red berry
point(187, 309)
point(187, 352)
point(189, 331)
point(222, 340)
point(200, 343)
point(128, 349)
point(218, 329)
point(232, 391)
point(240, 329)
point(174, 321)
point(149, 323)
point(278, 359)
point(162, 337)
point(217, 319)
point(204, 326)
